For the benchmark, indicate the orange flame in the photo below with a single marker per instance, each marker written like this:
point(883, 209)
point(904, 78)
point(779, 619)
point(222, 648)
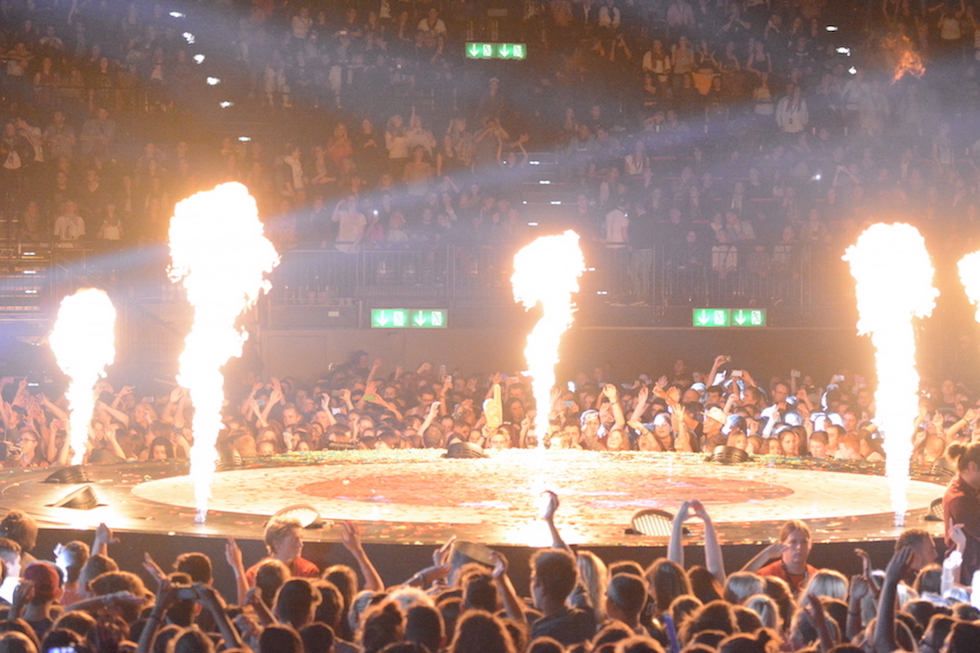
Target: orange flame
point(220, 254)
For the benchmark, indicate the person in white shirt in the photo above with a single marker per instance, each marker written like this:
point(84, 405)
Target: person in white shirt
point(69, 226)
point(10, 556)
point(350, 224)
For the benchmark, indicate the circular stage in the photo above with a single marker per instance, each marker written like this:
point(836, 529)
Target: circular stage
point(418, 497)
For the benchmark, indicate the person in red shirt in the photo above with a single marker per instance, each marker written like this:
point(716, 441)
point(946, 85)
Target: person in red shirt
point(284, 541)
point(786, 558)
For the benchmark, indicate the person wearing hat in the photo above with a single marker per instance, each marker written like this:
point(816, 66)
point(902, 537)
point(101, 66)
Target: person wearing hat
point(715, 419)
point(36, 598)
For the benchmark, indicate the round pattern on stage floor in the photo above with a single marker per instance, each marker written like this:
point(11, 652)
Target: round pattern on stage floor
point(599, 491)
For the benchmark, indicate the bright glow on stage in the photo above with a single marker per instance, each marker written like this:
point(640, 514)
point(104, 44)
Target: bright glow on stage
point(547, 272)
point(84, 344)
point(893, 276)
point(219, 252)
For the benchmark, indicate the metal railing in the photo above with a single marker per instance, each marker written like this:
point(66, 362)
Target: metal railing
point(800, 278)
point(661, 278)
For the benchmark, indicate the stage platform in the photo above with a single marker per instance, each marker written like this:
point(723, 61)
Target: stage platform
point(417, 499)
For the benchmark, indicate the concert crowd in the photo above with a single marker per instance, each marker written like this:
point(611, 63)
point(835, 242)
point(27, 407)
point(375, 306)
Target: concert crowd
point(703, 126)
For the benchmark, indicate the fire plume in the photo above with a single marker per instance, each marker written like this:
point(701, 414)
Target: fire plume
point(221, 256)
point(969, 267)
point(84, 344)
point(546, 272)
point(893, 277)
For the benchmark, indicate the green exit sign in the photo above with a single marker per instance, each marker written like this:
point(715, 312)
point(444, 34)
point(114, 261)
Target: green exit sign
point(496, 51)
point(728, 317)
point(711, 317)
point(404, 318)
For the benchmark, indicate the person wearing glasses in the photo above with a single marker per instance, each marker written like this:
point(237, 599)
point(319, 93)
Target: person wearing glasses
point(31, 454)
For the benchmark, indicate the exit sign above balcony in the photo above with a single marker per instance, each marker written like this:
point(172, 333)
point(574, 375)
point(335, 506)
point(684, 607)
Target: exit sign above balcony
point(405, 318)
point(728, 317)
point(496, 51)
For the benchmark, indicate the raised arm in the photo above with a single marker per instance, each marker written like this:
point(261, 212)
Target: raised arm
point(720, 360)
point(429, 417)
point(117, 414)
point(713, 558)
point(549, 518)
point(675, 548)
point(771, 552)
point(211, 601)
point(884, 634)
point(508, 595)
point(233, 556)
point(350, 536)
point(641, 405)
point(165, 598)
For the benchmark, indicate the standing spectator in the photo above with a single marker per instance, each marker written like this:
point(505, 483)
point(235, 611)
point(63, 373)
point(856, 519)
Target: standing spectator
point(59, 138)
point(350, 224)
point(962, 508)
point(791, 112)
point(69, 226)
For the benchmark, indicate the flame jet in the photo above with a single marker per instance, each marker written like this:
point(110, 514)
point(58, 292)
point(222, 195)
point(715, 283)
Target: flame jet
point(84, 344)
point(893, 283)
point(546, 272)
point(218, 251)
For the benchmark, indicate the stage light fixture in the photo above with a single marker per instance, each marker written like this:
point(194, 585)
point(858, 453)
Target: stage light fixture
point(72, 475)
point(726, 455)
point(464, 450)
point(306, 514)
point(83, 498)
point(653, 522)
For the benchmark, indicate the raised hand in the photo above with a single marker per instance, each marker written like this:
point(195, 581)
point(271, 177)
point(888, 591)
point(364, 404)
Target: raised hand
point(499, 565)
point(233, 553)
point(350, 536)
point(552, 507)
point(440, 555)
point(153, 569)
point(898, 565)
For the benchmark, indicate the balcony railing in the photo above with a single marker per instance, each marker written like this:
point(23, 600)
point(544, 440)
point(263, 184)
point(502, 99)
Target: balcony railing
point(798, 279)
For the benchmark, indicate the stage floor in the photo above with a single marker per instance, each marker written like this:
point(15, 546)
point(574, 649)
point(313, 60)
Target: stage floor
point(417, 497)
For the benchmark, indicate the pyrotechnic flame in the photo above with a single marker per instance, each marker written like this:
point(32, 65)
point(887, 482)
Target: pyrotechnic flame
point(906, 59)
point(84, 344)
point(219, 252)
point(546, 272)
point(893, 276)
point(970, 277)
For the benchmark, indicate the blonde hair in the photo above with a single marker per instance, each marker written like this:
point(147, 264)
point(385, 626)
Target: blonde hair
point(768, 611)
point(827, 583)
point(595, 576)
point(743, 584)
